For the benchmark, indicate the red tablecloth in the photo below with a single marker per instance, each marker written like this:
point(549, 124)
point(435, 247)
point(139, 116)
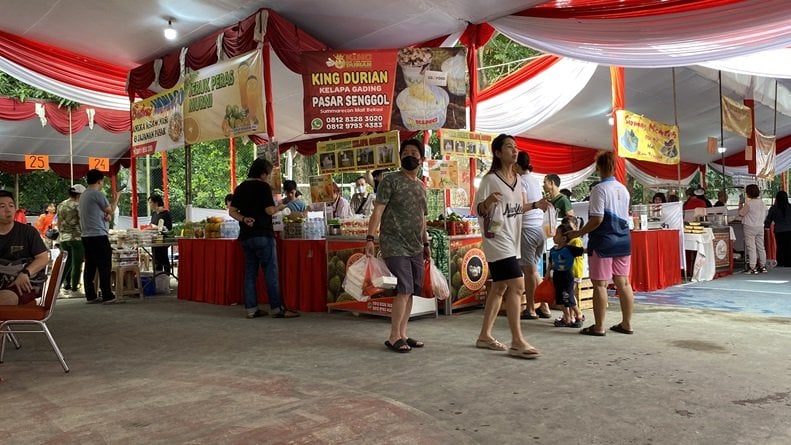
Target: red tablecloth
point(212, 271)
point(656, 261)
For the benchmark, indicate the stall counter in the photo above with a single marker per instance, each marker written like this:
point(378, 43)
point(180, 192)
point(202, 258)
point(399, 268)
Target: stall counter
point(656, 260)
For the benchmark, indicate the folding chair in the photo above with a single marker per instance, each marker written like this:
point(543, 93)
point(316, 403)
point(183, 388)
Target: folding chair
point(34, 316)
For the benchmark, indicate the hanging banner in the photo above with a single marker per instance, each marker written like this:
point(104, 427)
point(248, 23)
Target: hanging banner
point(269, 151)
point(362, 153)
point(381, 90)
point(321, 188)
point(765, 155)
point(466, 144)
point(737, 118)
point(225, 99)
point(157, 122)
point(647, 140)
point(443, 174)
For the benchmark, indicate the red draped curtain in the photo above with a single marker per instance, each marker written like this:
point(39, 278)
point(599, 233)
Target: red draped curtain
point(552, 157)
point(599, 9)
point(114, 121)
point(665, 171)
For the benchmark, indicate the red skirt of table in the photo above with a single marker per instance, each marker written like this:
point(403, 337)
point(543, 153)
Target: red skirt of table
point(656, 261)
point(212, 271)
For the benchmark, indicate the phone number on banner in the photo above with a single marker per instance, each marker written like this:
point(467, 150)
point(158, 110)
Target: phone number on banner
point(354, 122)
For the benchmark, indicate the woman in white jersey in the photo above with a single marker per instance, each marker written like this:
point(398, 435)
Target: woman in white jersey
point(499, 200)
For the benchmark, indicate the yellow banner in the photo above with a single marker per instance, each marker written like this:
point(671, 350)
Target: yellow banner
point(375, 151)
point(466, 144)
point(737, 118)
point(225, 99)
point(157, 122)
point(647, 140)
point(765, 155)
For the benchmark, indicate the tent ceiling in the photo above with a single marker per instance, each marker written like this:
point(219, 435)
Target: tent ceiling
point(128, 33)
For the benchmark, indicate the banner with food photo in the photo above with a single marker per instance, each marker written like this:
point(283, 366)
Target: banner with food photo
point(466, 144)
point(348, 91)
point(321, 188)
point(443, 174)
point(765, 148)
point(375, 151)
point(642, 138)
point(225, 99)
point(157, 122)
point(430, 89)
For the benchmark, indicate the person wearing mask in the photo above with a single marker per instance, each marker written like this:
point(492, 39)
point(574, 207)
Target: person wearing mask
point(533, 239)
point(253, 206)
point(780, 215)
point(399, 215)
point(23, 257)
point(559, 200)
point(609, 246)
point(753, 213)
point(722, 199)
point(160, 213)
point(95, 213)
point(290, 200)
point(340, 206)
point(362, 202)
point(500, 202)
point(71, 237)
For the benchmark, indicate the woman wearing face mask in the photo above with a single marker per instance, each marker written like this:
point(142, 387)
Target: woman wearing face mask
point(401, 209)
point(362, 202)
point(501, 198)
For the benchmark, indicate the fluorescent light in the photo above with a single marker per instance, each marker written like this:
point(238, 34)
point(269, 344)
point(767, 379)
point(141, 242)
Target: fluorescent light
point(170, 32)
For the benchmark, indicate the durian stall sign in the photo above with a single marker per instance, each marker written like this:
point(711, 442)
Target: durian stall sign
point(362, 153)
point(466, 144)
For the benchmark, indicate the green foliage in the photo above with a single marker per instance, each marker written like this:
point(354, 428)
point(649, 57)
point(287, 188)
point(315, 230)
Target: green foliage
point(15, 89)
point(500, 57)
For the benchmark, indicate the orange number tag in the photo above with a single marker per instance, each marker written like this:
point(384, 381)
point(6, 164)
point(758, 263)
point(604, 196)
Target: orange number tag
point(101, 164)
point(36, 162)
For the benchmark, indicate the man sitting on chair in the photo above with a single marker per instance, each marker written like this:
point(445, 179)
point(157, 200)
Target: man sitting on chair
point(23, 257)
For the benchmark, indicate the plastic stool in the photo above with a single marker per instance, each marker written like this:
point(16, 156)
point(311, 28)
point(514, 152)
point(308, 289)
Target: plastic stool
point(126, 281)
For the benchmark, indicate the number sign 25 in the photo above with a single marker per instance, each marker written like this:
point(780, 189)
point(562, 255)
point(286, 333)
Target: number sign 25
point(36, 162)
point(101, 164)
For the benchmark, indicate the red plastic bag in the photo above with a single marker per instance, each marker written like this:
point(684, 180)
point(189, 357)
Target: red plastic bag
point(545, 292)
point(428, 290)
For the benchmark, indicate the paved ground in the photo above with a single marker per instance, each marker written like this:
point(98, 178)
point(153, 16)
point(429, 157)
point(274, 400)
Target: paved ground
point(168, 371)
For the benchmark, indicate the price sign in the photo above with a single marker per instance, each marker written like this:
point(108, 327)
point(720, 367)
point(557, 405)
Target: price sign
point(36, 162)
point(101, 164)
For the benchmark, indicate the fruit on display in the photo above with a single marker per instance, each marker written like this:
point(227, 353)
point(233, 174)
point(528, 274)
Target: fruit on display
point(212, 226)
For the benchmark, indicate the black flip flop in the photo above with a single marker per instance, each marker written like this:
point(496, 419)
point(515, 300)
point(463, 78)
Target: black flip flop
point(398, 346)
point(620, 329)
point(589, 331)
point(414, 343)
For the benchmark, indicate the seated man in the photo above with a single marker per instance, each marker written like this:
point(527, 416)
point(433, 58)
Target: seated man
point(23, 257)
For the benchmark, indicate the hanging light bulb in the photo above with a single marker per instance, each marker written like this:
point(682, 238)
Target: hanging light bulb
point(721, 149)
point(611, 121)
point(170, 32)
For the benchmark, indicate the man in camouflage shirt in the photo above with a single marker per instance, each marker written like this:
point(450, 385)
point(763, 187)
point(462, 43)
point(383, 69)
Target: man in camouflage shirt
point(70, 237)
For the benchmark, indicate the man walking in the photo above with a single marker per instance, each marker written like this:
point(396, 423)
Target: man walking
point(69, 227)
point(95, 213)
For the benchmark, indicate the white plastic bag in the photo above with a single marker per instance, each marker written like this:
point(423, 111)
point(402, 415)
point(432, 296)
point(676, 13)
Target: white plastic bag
point(377, 277)
point(353, 282)
point(439, 285)
point(550, 221)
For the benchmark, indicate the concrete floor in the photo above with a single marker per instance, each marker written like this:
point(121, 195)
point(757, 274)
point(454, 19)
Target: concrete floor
point(168, 371)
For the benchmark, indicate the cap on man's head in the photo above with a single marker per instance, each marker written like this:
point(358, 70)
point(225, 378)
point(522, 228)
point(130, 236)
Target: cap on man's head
point(699, 192)
point(77, 188)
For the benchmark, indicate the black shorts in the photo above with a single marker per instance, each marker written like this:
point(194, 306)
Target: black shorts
point(564, 288)
point(409, 271)
point(505, 269)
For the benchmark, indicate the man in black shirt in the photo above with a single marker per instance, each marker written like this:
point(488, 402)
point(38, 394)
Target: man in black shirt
point(253, 206)
point(160, 213)
point(23, 257)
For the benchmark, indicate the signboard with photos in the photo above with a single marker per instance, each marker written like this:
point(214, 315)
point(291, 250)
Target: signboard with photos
point(644, 139)
point(371, 152)
point(157, 122)
point(466, 144)
point(381, 90)
point(443, 174)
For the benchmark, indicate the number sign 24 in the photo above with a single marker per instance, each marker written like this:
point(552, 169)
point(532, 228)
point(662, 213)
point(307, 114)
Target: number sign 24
point(101, 164)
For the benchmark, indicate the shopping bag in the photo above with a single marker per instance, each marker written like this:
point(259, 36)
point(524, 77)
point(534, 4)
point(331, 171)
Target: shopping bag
point(545, 292)
point(428, 289)
point(439, 285)
point(353, 281)
point(378, 277)
point(550, 221)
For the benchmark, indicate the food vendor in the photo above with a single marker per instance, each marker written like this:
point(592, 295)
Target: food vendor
point(290, 200)
point(161, 218)
point(340, 207)
point(362, 202)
